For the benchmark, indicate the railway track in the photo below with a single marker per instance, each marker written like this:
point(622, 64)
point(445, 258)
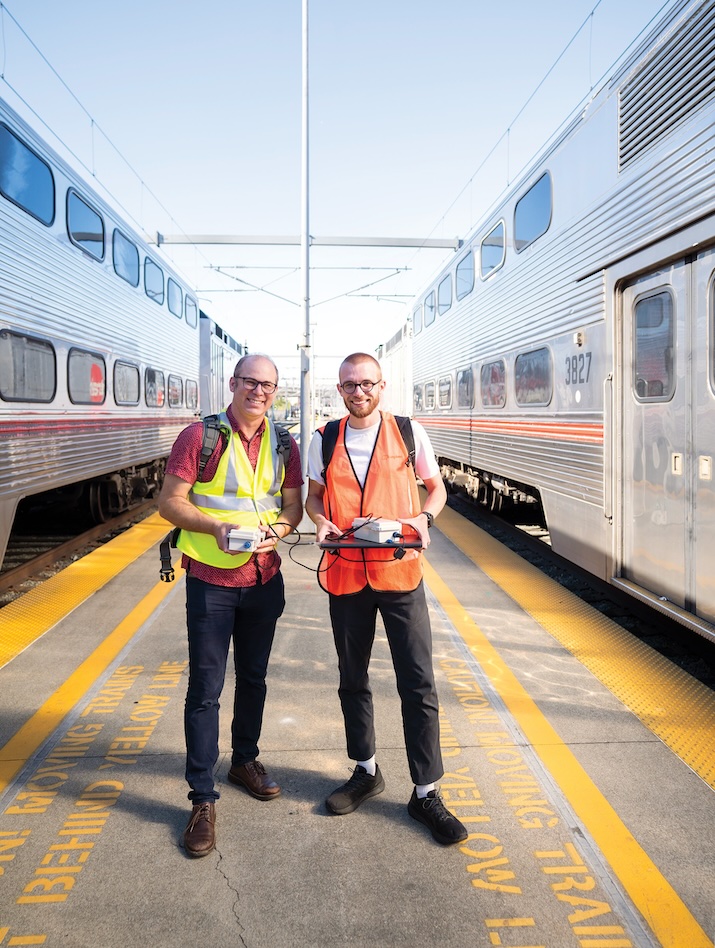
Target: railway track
point(34, 555)
point(520, 530)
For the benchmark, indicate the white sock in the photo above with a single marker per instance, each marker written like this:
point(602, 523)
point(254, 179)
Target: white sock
point(422, 789)
point(369, 765)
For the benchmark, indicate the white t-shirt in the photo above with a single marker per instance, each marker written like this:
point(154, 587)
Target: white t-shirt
point(360, 443)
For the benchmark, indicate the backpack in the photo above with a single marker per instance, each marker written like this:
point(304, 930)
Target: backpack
point(212, 432)
point(332, 429)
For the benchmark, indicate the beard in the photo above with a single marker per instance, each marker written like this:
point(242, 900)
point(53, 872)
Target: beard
point(362, 411)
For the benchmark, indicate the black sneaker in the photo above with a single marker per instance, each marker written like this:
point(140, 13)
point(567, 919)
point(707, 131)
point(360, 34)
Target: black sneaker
point(361, 786)
point(431, 811)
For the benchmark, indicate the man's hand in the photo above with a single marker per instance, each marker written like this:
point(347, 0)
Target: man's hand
point(420, 525)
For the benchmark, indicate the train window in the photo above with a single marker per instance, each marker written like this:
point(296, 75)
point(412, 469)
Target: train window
point(28, 368)
point(86, 377)
point(153, 281)
point(25, 179)
point(492, 250)
point(192, 394)
point(85, 226)
point(653, 347)
point(444, 392)
point(174, 298)
point(126, 383)
point(126, 258)
point(176, 392)
point(154, 388)
point(493, 384)
point(532, 214)
point(191, 312)
point(465, 276)
point(417, 400)
point(429, 309)
point(465, 389)
point(417, 320)
point(533, 377)
point(444, 295)
point(429, 395)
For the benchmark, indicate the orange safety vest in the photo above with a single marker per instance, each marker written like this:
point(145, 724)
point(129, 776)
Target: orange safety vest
point(390, 492)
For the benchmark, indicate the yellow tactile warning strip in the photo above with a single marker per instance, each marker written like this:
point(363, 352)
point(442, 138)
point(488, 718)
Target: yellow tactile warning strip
point(26, 619)
point(669, 702)
point(41, 725)
point(651, 893)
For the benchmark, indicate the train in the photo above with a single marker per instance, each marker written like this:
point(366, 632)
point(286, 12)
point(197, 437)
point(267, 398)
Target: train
point(105, 354)
point(565, 355)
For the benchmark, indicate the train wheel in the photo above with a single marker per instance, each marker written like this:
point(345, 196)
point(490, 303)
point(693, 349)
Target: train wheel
point(496, 500)
point(98, 505)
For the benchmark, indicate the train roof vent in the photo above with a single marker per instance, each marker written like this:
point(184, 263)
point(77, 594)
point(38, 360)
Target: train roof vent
point(673, 83)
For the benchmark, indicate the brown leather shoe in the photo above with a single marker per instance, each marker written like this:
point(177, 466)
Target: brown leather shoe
point(200, 834)
point(254, 778)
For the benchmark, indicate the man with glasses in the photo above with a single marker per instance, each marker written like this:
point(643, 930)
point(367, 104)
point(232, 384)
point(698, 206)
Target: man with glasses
point(231, 594)
point(369, 474)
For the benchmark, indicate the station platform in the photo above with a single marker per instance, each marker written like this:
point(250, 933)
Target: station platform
point(582, 764)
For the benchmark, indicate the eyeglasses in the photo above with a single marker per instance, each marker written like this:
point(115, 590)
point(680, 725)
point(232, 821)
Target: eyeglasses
point(366, 385)
point(252, 384)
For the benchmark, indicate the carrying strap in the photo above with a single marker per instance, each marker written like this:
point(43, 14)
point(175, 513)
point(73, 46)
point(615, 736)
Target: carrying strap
point(212, 433)
point(166, 573)
point(332, 429)
point(283, 439)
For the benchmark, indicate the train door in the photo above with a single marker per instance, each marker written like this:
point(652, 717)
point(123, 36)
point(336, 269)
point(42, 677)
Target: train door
point(667, 518)
point(704, 436)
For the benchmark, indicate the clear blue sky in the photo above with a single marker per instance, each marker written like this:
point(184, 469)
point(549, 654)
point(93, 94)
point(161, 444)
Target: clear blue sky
point(407, 97)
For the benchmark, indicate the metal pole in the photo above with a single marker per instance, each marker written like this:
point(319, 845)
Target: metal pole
point(306, 408)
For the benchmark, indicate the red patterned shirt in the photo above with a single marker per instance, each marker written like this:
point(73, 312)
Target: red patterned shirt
point(184, 463)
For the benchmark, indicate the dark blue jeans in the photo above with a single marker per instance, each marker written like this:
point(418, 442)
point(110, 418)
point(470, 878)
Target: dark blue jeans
point(215, 616)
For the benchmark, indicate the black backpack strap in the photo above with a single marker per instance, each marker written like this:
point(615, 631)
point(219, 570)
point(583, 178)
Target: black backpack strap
point(408, 436)
point(283, 439)
point(166, 573)
point(213, 431)
point(330, 439)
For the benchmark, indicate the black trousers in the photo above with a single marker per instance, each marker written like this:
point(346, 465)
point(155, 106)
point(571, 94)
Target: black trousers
point(409, 635)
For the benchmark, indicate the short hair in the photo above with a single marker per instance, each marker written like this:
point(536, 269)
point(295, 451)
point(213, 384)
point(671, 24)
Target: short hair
point(356, 357)
point(254, 355)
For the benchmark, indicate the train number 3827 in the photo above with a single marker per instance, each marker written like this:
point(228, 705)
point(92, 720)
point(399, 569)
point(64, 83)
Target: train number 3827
point(578, 368)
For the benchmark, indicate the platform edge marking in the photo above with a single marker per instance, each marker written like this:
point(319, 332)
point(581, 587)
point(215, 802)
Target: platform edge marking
point(662, 908)
point(30, 736)
point(594, 639)
point(28, 618)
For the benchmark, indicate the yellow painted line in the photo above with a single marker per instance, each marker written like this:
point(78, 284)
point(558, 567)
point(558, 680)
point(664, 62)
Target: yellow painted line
point(651, 893)
point(667, 700)
point(23, 744)
point(26, 619)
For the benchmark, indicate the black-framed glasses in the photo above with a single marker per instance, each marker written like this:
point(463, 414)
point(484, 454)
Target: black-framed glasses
point(366, 385)
point(252, 384)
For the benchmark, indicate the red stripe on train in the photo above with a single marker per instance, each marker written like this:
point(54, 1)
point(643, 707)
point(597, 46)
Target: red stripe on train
point(26, 428)
point(558, 431)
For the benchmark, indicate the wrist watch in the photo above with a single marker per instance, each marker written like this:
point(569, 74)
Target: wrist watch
point(430, 518)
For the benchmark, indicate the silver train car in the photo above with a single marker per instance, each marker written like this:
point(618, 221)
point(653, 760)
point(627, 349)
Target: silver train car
point(218, 355)
point(99, 341)
point(567, 353)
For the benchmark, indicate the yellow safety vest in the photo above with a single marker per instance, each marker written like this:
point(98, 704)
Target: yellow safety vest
point(237, 494)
